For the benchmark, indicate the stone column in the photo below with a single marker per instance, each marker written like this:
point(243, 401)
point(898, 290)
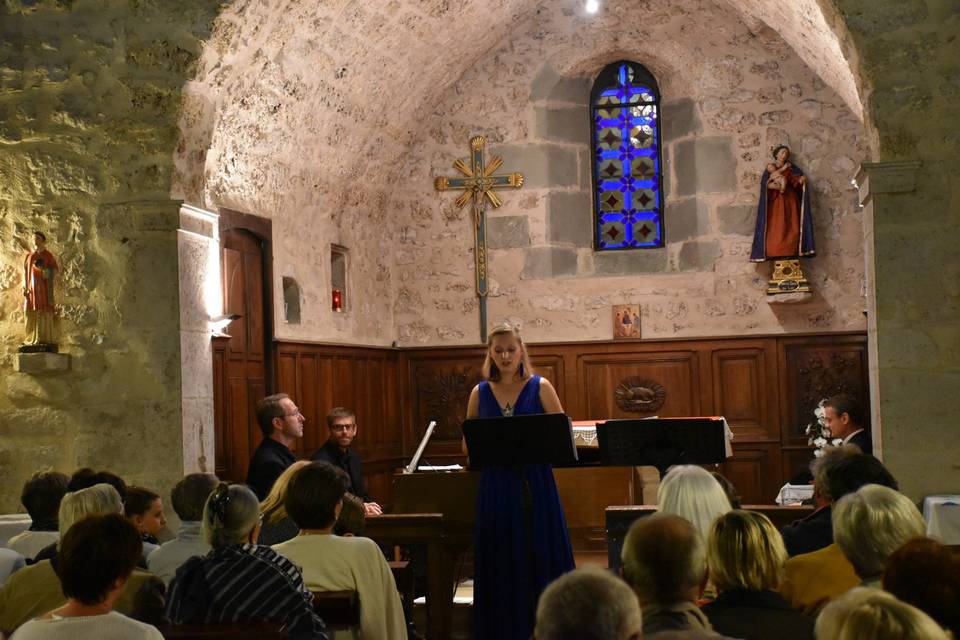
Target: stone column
point(198, 249)
point(912, 328)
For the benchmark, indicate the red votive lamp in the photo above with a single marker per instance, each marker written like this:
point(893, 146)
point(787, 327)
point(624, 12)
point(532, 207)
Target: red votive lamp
point(337, 301)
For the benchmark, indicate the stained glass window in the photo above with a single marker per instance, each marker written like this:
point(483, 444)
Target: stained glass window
point(627, 172)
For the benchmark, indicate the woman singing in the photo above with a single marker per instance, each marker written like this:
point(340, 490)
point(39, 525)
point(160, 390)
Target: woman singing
point(521, 541)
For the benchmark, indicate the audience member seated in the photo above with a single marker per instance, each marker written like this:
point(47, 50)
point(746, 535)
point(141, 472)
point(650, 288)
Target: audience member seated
point(693, 494)
point(333, 563)
point(277, 526)
point(87, 477)
point(41, 498)
point(97, 556)
point(188, 497)
point(872, 523)
point(745, 555)
point(34, 590)
point(239, 580)
point(588, 604)
point(10, 563)
point(664, 561)
point(352, 520)
point(926, 574)
point(843, 470)
point(732, 494)
point(144, 509)
point(863, 613)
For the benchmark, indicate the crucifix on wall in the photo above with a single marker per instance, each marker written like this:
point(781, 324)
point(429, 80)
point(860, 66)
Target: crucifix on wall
point(478, 183)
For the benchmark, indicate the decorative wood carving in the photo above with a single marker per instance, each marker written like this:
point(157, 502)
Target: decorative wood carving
point(640, 395)
point(443, 395)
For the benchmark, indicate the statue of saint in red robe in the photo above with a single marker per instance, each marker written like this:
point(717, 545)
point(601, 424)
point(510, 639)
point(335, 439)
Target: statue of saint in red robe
point(39, 269)
point(784, 223)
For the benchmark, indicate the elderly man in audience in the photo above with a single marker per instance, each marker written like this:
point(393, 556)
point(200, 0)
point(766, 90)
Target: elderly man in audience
point(871, 613)
point(872, 523)
point(664, 561)
point(926, 574)
point(239, 580)
point(35, 590)
point(188, 497)
point(745, 555)
point(333, 563)
point(97, 557)
point(588, 604)
point(41, 498)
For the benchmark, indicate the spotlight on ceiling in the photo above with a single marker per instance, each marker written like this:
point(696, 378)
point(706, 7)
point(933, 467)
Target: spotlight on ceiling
point(592, 6)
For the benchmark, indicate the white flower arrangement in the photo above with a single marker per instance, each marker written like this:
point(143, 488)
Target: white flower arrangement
point(818, 434)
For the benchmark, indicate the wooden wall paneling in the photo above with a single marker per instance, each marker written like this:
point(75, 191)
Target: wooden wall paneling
point(308, 383)
point(745, 385)
point(813, 368)
point(221, 445)
point(795, 461)
point(676, 371)
point(754, 470)
point(585, 495)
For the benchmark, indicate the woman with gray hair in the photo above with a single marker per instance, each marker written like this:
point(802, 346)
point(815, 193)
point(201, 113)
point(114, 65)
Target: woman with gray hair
point(692, 493)
point(239, 580)
point(870, 524)
point(34, 590)
point(871, 613)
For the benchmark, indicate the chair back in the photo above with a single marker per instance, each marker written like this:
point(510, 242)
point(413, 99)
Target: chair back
point(338, 609)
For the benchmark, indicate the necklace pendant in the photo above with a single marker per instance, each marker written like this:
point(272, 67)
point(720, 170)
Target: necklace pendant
point(507, 411)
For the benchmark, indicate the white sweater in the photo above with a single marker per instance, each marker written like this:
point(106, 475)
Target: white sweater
point(109, 626)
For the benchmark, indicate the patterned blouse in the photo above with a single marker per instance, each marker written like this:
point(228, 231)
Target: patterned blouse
point(243, 583)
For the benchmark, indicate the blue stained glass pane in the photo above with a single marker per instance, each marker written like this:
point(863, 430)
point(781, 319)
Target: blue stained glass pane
point(628, 196)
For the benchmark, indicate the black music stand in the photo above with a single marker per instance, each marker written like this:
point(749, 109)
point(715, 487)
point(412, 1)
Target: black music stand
point(535, 439)
point(662, 442)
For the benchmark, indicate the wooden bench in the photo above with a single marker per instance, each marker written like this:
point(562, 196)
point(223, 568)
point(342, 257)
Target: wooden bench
point(338, 609)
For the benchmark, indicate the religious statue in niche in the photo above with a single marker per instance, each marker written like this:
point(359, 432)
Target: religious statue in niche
point(39, 271)
point(784, 231)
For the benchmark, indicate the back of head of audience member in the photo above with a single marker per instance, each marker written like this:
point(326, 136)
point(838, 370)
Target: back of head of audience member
point(87, 477)
point(190, 494)
point(926, 574)
point(314, 496)
point(352, 520)
point(745, 551)
point(100, 499)
point(41, 496)
point(272, 507)
point(871, 613)
point(854, 471)
point(692, 493)
point(231, 515)
point(664, 560)
point(96, 557)
point(732, 494)
point(872, 523)
point(588, 604)
point(820, 470)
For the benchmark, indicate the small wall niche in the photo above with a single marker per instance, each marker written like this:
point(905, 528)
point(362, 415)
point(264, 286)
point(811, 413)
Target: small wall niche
point(338, 278)
point(291, 300)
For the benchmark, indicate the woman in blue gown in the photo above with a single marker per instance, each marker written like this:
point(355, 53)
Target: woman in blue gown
point(521, 542)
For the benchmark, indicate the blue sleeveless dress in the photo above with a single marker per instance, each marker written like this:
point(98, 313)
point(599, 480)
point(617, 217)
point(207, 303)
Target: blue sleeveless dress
point(521, 542)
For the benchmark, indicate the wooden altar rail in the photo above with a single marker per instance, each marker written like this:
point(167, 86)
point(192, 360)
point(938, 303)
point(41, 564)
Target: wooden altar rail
point(442, 545)
point(619, 519)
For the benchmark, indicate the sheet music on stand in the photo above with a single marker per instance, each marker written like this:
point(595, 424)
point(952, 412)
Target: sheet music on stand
point(410, 468)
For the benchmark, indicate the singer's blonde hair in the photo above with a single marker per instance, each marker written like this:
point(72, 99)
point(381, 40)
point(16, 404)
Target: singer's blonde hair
point(490, 370)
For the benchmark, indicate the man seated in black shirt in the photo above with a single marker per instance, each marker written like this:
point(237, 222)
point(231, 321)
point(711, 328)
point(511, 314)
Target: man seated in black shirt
point(281, 423)
point(845, 420)
point(342, 424)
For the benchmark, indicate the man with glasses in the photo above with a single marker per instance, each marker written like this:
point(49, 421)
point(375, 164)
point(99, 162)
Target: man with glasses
point(342, 424)
point(281, 423)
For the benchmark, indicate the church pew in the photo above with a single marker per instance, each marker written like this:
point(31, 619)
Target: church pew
point(338, 609)
point(619, 519)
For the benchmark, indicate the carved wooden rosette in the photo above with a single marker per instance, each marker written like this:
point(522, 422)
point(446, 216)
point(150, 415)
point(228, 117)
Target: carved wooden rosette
point(639, 395)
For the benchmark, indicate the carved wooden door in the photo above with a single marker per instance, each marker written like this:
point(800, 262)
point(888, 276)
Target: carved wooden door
point(242, 263)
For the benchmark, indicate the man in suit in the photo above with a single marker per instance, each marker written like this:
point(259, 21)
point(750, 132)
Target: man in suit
point(281, 423)
point(845, 420)
point(342, 425)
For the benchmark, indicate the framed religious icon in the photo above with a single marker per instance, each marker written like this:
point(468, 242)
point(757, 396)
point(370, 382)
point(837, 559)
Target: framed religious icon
point(626, 321)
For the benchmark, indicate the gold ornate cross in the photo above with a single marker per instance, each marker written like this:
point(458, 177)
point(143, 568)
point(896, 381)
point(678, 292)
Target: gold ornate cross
point(479, 183)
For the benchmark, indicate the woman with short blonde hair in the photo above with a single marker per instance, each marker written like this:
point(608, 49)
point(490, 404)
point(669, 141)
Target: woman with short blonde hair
point(745, 557)
point(277, 526)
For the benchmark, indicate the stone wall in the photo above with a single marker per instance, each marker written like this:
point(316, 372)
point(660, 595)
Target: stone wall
point(89, 96)
point(730, 93)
